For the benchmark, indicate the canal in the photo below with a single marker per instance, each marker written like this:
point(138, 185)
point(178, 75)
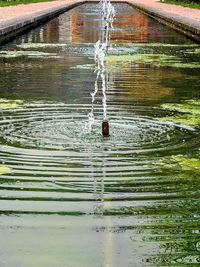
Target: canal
point(70, 197)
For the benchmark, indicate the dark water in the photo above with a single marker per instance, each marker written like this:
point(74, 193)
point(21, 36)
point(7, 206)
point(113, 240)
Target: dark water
point(68, 196)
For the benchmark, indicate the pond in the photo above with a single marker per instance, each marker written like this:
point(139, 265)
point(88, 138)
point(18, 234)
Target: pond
point(70, 197)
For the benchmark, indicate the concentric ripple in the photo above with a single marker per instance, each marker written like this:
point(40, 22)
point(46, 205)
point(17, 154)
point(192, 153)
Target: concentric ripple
point(53, 157)
point(64, 127)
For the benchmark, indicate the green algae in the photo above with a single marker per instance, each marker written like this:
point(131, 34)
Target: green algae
point(157, 60)
point(40, 45)
point(5, 170)
point(16, 104)
point(163, 45)
point(189, 112)
point(28, 54)
point(186, 120)
point(187, 164)
point(84, 67)
point(195, 51)
point(140, 57)
point(189, 106)
point(10, 104)
point(181, 163)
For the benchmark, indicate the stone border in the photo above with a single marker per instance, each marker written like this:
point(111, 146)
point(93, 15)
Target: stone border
point(178, 23)
point(14, 27)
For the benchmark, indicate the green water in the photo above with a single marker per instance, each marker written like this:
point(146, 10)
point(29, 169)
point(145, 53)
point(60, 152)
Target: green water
point(70, 197)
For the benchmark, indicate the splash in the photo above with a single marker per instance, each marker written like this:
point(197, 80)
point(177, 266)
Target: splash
point(101, 50)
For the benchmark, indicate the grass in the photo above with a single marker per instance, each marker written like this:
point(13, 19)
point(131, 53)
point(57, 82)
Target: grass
point(181, 3)
point(18, 2)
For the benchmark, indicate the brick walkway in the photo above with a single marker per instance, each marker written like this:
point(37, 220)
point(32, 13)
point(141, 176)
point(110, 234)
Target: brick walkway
point(17, 13)
point(12, 15)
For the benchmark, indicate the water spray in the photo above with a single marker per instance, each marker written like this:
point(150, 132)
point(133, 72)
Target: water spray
point(101, 50)
point(108, 13)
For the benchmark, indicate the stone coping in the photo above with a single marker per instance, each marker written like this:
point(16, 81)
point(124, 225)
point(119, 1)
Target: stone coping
point(182, 19)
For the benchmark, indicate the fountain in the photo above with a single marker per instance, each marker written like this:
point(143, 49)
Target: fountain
point(101, 50)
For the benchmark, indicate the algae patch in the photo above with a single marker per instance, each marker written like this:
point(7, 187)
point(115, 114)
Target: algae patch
point(5, 170)
point(28, 54)
point(157, 60)
point(187, 164)
point(181, 163)
point(165, 45)
point(84, 67)
point(186, 120)
point(195, 51)
point(10, 104)
point(189, 106)
point(6, 104)
point(189, 112)
point(40, 45)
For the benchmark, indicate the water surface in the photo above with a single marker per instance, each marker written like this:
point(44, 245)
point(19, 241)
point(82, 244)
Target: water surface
point(69, 197)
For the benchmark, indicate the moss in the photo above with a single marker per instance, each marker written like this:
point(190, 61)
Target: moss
point(5, 169)
point(10, 104)
point(157, 60)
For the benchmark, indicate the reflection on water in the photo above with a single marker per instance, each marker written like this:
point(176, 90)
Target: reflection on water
point(71, 198)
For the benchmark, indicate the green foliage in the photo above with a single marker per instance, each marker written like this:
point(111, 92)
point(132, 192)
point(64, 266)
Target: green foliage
point(192, 4)
point(18, 2)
